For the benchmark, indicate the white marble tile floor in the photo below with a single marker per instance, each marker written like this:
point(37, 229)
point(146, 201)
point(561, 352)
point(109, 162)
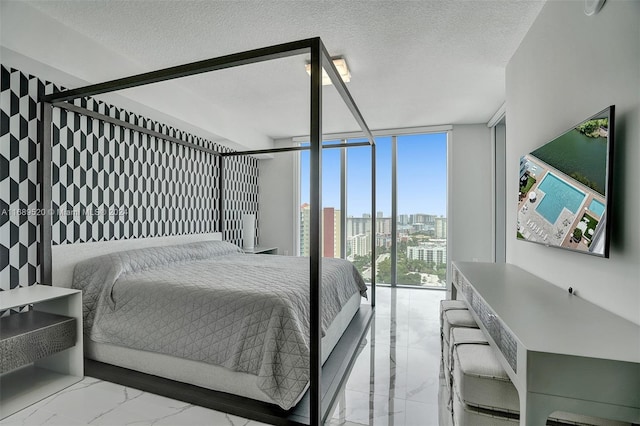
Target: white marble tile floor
point(400, 387)
point(96, 402)
point(394, 381)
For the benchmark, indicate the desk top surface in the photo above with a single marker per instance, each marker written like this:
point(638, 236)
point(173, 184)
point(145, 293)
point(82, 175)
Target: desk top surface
point(546, 318)
point(32, 294)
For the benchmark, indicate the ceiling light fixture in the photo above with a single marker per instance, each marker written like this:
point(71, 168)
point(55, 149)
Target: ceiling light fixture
point(341, 66)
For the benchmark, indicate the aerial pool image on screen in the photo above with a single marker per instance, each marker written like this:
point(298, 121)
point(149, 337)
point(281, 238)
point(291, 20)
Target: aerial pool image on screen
point(558, 195)
point(562, 200)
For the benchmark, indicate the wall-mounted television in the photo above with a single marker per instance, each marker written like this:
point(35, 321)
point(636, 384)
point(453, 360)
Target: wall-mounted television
point(565, 187)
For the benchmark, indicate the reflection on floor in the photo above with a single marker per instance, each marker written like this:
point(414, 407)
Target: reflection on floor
point(394, 381)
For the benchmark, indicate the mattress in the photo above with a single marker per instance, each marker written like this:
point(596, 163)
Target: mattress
point(206, 375)
point(210, 303)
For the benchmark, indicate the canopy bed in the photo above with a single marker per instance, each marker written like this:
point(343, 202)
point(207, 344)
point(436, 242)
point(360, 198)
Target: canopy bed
point(346, 330)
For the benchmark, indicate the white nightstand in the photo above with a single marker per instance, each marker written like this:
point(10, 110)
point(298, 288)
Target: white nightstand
point(262, 250)
point(47, 375)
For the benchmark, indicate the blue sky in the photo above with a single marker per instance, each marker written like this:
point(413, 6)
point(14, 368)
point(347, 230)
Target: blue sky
point(422, 176)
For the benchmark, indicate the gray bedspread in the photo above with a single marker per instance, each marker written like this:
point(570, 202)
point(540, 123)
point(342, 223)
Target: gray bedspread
point(210, 302)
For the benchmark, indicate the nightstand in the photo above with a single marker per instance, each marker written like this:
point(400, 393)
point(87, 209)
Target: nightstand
point(41, 349)
point(262, 250)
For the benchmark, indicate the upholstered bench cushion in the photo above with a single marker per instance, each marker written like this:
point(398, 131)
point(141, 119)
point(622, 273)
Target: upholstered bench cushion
point(460, 335)
point(464, 335)
point(454, 319)
point(480, 380)
point(451, 305)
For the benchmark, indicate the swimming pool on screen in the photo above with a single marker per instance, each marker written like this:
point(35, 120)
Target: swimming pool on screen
point(597, 207)
point(558, 195)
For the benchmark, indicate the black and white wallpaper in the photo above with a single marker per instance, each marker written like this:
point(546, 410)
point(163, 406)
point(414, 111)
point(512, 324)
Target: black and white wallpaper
point(108, 182)
point(19, 187)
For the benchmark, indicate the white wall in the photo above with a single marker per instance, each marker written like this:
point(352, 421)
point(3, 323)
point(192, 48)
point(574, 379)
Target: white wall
point(469, 193)
point(500, 200)
point(568, 67)
point(278, 180)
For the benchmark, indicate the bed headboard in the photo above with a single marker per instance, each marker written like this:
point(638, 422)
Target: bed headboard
point(65, 256)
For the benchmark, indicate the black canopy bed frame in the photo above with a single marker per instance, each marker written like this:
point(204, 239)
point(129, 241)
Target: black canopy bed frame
point(325, 381)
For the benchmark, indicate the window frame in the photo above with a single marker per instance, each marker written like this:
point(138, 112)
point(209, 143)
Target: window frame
point(345, 138)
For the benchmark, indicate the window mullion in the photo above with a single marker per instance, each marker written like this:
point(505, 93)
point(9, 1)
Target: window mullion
point(343, 201)
point(394, 211)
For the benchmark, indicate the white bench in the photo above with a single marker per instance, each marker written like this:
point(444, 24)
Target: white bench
point(478, 389)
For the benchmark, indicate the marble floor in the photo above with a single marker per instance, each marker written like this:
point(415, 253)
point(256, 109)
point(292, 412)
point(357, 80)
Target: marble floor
point(394, 381)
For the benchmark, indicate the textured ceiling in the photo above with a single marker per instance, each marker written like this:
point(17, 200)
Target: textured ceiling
point(413, 63)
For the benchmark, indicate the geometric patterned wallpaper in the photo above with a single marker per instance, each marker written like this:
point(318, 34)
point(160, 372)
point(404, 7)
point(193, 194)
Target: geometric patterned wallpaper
point(108, 182)
point(240, 195)
point(112, 183)
point(19, 188)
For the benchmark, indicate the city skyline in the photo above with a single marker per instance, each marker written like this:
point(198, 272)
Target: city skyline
point(421, 176)
point(428, 228)
point(421, 242)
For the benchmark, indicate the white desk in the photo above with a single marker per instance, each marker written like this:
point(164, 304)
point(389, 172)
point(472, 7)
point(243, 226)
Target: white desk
point(561, 352)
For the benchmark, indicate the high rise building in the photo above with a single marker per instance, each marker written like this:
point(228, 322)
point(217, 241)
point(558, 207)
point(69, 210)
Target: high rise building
point(331, 230)
point(337, 232)
point(383, 225)
point(425, 219)
point(429, 252)
point(305, 222)
point(328, 225)
point(358, 225)
point(384, 240)
point(441, 227)
point(359, 245)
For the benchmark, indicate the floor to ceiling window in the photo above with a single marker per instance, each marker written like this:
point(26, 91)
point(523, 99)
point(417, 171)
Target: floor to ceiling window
point(358, 206)
point(331, 192)
point(409, 227)
point(421, 205)
point(384, 204)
